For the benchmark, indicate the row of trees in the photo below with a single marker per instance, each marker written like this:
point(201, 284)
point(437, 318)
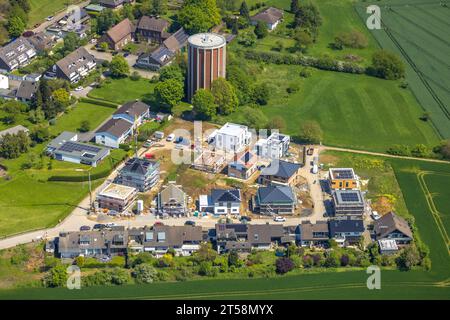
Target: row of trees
point(17, 17)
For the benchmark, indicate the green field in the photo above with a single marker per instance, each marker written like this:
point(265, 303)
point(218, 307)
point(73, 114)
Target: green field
point(40, 9)
point(354, 111)
point(417, 284)
point(123, 90)
point(28, 201)
point(418, 31)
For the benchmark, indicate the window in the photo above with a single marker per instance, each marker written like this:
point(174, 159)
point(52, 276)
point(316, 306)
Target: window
point(149, 236)
point(161, 236)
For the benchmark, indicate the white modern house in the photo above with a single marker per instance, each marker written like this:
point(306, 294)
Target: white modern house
point(273, 147)
point(114, 132)
point(4, 82)
point(221, 201)
point(134, 112)
point(232, 137)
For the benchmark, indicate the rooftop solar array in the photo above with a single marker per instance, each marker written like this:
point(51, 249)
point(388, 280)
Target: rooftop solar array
point(350, 197)
point(343, 174)
point(77, 147)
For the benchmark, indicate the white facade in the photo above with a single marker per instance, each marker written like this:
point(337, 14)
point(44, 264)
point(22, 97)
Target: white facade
point(232, 137)
point(227, 208)
point(4, 82)
point(274, 147)
point(109, 140)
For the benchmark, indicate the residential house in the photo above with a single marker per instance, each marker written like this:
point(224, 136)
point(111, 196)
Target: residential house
point(4, 82)
point(27, 90)
point(116, 197)
point(134, 112)
point(274, 200)
point(152, 29)
point(348, 203)
point(42, 41)
point(142, 174)
point(92, 243)
point(14, 130)
point(172, 201)
point(75, 66)
point(16, 54)
point(387, 246)
point(280, 172)
point(243, 166)
point(94, 9)
point(270, 16)
point(347, 231)
point(119, 36)
point(114, 132)
point(275, 146)
point(221, 201)
point(393, 227)
point(342, 179)
point(66, 148)
point(313, 234)
point(165, 53)
point(232, 138)
point(113, 4)
point(158, 239)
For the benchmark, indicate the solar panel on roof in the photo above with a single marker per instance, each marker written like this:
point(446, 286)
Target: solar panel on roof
point(350, 197)
point(344, 174)
point(72, 146)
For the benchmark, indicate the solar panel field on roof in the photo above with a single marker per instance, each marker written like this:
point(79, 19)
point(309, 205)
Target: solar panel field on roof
point(76, 147)
point(344, 174)
point(350, 197)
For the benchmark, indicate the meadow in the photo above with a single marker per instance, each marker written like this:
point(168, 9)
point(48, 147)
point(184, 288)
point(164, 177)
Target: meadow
point(418, 31)
point(354, 111)
point(27, 200)
point(41, 9)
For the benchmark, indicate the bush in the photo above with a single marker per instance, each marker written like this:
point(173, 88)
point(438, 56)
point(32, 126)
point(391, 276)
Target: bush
point(144, 273)
point(284, 265)
point(57, 277)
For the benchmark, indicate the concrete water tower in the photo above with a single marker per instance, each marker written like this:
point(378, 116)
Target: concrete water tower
point(206, 61)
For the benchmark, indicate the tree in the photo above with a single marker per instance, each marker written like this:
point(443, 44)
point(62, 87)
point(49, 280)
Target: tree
point(408, 258)
point(198, 15)
point(278, 122)
point(71, 42)
point(233, 259)
point(15, 27)
point(294, 6)
point(85, 126)
point(105, 20)
point(61, 97)
point(104, 46)
point(224, 96)
point(261, 30)
point(235, 27)
point(302, 40)
point(159, 7)
point(261, 94)
point(284, 265)
point(332, 260)
point(311, 132)
point(57, 277)
point(244, 12)
point(13, 145)
point(36, 116)
point(353, 39)
point(172, 71)
point(40, 134)
point(444, 149)
point(203, 103)
point(205, 253)
point(247, 38)
point(308, 17)
point(387, 65)
point(119, 276)
point(169, 93)
point(144, 273)
point(119, 67)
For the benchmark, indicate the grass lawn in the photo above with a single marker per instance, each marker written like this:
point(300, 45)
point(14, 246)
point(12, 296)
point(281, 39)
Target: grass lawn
point(354, 111)
point(28, 201)
point(41, 9)
point(123, 90)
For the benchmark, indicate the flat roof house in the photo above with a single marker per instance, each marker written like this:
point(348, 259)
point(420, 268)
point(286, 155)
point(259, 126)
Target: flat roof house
point(346, 231)
point(232, 138)
point(119, 36)
point(152, 29)
point(172, 201)
point(313, 234)
point(134, 112)
point(393, 227)
point(280, 172)
point(348, 202)
point(243, 166)
point(270, 16)
point(113, 133)
point(16, 54)
point(342, 179)
point(75, 66)
point(275, 146)
point(116, 197)
point(274, 200)
point(113, 4)
point(27, 90)
point(66, 148)
point(140, 173)
point(387, 246)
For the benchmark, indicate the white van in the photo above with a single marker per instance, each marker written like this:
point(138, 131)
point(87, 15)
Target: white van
point(170, 137)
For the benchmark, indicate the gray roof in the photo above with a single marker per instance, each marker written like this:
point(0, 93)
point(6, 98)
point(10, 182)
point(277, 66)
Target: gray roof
point(346, 225)
point(172, 193)
point(115, 127)
point(177, 40)
point(269, 15)
point(389, 223)
point(275, 194)
point(223, 195)
point(133, 108)
point(70, 242)
point(75, 60)
point(62, 138)
point(14, 130)
point(112, 3)
point(172, 236)
point(348, 197)
point(12, 52)
point(264, 233)
point(139, 166)
point(27, 89)
point(284, 170)
point(316, 231)
point(152, 24)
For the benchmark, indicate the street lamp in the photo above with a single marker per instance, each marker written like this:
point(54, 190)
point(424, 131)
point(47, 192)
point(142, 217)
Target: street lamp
point(90, 185)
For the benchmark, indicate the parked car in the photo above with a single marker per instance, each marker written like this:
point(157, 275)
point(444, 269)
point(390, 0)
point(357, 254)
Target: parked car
point(85, 228)
point(170, 137)
point(158, 223)
point(375, 215)
point(126, 54)
point(189, 223)
point(36, 25)
point(78, 88)
point(110, 224)
point(148, 143)
point(245, 219)
point(99, 226)
point(93, 41)
point(279, 219)
point(49, 18)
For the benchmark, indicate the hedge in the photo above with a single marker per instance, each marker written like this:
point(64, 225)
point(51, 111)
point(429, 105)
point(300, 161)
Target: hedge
point(99, 102)
point(324, 62)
